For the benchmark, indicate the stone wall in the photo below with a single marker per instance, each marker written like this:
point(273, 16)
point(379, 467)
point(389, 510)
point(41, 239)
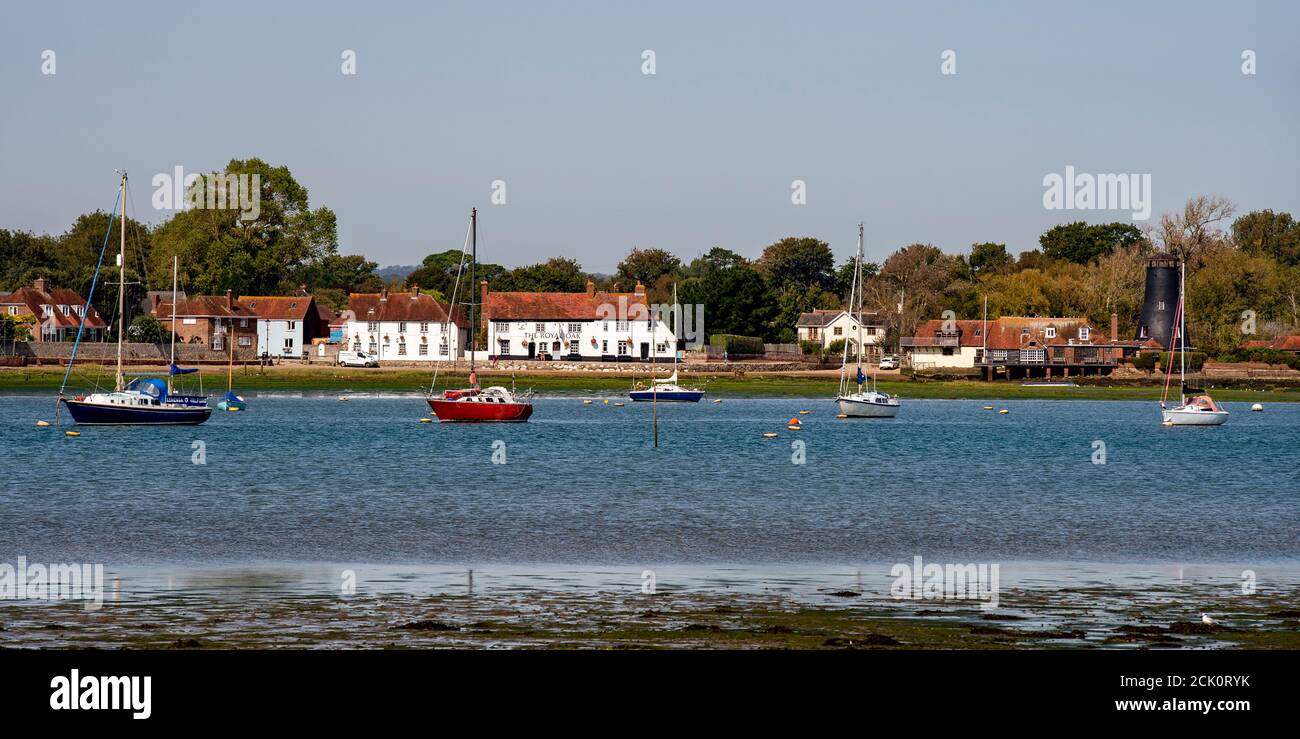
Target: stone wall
point(57, 353)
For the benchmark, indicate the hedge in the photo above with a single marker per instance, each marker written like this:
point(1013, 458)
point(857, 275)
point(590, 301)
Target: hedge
point(1160, 360)
point(735, 345)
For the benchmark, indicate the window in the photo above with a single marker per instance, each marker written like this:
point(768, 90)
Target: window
point(372, 325)
point(575, 328)
point(871, 331)
point(13, 310)
point(839, 330)
point(501, 327)
point(661, 347)
point(622, 348)
point(218, 342)
point(190, 321)
point(1050, 332)
point(372, 346)
point(504, 345)
point(356, 345)
point(947, 351)
point(401, 327)
point(288, 343)
point(401, 349)
point(604, 346)
point(442, 350)
point(573, 346)
point(243, 323)
point(64, 308)
point(424, 350)
point(540, 327)
point(620, 325)
point(248, 341)
point(46, 311)
point(555, 347)
point(604, 325)
point(1084, 331)
point(813, 334)
point(424, 327)
point(292, 325)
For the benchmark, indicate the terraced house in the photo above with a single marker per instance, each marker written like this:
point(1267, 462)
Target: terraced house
point(209, 320)
point(403, 327)
point(56, 312)
point(287, 324)
point(1017, 347)
point(586, 326)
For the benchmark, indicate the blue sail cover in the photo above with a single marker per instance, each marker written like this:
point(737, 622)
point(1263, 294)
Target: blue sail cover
point(181, 371)
point(150, 386)
point(861, 377)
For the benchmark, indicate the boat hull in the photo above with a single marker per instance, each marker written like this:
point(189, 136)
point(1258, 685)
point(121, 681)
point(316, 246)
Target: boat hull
point(96, 414)
point(461, 411)
point(855, 408)
point(1180, 417)
point(666, 396)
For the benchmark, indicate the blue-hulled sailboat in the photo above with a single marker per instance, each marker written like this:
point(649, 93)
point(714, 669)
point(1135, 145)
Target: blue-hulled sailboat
point(666, 390)
point(146, 400)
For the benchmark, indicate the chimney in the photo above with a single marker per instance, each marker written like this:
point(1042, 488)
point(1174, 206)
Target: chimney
point(302, 290)
point(230, 303)
point(415, 292)
point(1114, 327)
point(640, 289)
point(591, 289)
point(383, 293)
point(39, 284)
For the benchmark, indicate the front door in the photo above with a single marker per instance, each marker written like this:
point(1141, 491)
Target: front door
point(532, 350)
point(645, 351)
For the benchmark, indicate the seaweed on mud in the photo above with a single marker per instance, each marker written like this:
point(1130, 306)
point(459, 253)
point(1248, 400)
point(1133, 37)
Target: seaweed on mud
point(1002, 617)
point(427, 625)
point(864, 640)
point(845, 594)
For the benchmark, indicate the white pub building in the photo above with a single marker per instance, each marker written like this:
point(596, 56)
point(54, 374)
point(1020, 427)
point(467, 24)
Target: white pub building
point(403, 327)
point(586, 326)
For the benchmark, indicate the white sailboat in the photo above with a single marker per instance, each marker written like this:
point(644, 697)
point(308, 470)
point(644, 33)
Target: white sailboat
point(1196, 407)
point(861, 402)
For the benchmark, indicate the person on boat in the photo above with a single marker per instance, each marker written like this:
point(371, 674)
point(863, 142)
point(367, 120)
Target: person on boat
point(473, 379)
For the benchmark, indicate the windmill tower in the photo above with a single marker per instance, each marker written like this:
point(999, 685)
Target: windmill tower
point(1160, 301)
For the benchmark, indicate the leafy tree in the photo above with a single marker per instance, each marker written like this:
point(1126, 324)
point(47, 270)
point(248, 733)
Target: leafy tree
point(1081, 242)
point(1266, 233)
point(219, 251)
point(735, 298)
point(148, 330)
point(16, 328)
point(988, 257)
point(647, 266)
point(438, 274)
point(555, 275)
point(349, 274)
point(799, 261)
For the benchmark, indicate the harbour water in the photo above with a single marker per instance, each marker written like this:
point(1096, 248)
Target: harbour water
point(301, 479)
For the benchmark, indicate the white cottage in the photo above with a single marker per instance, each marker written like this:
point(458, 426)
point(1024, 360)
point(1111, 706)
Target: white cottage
point(828, 326)
point(403, 327)
point(590, 326)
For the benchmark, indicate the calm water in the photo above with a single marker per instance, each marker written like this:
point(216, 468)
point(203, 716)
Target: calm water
point(312, 479)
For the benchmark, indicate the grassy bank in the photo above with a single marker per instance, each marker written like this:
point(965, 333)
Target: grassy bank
point(339, 379)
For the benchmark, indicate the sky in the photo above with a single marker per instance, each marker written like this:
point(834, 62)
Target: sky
point(598, 157)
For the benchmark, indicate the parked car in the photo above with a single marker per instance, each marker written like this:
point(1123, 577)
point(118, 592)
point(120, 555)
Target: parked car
point(358, 359)
point(889, 362)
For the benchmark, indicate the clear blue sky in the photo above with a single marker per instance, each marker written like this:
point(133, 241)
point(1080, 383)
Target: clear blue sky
point(598, 158)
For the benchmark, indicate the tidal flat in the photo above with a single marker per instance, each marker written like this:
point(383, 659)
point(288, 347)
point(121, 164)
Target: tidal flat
point(1085, 618)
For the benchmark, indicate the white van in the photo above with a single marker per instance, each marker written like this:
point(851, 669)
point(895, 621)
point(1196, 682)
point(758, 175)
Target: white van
point(357, 359)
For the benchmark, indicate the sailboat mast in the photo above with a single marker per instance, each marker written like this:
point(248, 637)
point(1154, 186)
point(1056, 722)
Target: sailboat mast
point(857, 277)
point(473, 284)
point(176, 263)
point(1182, 331)
point(119, 384)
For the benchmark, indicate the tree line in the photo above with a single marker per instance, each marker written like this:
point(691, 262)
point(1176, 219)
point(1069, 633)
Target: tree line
point(1243, 273)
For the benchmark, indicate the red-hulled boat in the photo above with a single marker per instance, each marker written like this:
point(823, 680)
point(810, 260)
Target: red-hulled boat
point(493, 404)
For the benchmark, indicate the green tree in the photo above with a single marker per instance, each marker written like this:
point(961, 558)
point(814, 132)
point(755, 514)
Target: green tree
point(647, 266)
point(219, 251)
point(1081, 243)
point(734, 295)
point(988, 257)
point(1263, 232)
point(555, 275)
point(799, 261)
point(437, 274)
point(148, 330)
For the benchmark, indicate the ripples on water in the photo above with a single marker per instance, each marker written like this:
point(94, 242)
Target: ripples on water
point(311, 479)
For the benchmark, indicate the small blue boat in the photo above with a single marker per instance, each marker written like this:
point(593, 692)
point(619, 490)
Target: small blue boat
point(667, 391)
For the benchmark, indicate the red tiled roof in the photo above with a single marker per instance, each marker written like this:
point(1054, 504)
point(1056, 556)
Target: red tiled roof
point(278, 307)
point(32, 299)
point(204, 306)
point(520, 306)
point(1282, 343)
point(407, 306)
point(1013, 332)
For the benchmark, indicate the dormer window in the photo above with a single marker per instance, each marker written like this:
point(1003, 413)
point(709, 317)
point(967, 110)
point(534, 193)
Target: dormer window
point(1050, 332)
point(46, 310)
point(64, 309)
point(1083, 333)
